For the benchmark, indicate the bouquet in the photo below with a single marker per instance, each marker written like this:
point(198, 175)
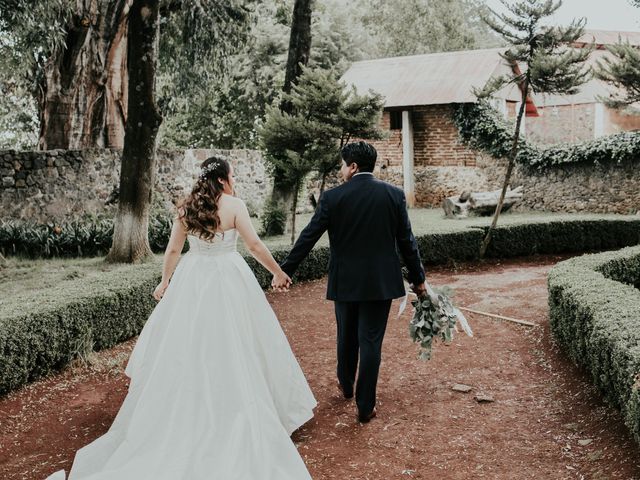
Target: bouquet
point(434, 316)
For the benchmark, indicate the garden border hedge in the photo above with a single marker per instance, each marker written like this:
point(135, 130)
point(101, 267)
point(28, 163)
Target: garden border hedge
point(595, 317)
point(79, 316)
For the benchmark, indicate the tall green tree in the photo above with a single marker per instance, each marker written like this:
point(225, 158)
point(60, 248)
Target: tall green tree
point(621, 71)
point(541, 62)
point(410, 27)
point(325, 116)
point(72, 55)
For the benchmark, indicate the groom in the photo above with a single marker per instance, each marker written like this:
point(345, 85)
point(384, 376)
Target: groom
point(366, 219)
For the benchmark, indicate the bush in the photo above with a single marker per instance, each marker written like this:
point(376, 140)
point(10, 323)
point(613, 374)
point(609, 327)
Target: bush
point(87, 237)
point(43, 331)
point(594, 317)
point(483, 127)
point(274, 220)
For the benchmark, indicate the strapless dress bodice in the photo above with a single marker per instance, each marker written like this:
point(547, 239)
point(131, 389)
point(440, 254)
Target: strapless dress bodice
point(224, 242)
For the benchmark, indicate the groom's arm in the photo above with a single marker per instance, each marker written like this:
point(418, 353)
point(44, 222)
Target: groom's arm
point(310, 235)
point(408, 246)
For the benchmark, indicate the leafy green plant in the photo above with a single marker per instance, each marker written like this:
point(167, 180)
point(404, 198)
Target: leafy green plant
point(594, 317)
point(86, 237)
point(482, 127)
point(274, 220)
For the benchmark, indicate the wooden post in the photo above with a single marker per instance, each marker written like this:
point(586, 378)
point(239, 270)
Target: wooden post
point(407, 158)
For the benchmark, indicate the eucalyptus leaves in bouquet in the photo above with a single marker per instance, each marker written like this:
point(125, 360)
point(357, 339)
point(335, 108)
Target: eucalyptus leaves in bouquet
point(434, 316)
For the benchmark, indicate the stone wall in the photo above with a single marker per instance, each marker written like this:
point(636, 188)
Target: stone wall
point(613, 188)
point(61, 184)
point(572, 188)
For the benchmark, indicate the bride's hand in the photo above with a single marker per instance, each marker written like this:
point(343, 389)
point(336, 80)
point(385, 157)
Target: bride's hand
point(281, 282)
point(158, 293)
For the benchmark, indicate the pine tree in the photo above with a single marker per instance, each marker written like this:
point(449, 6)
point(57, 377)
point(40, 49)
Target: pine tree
point(621, 71)
point(541, 61)
point(325, 116)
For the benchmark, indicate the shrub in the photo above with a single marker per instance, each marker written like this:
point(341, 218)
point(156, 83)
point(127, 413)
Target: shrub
point(41, 332)
point(87, 237)
point(594, 317)
point(274, 220)
point(484, 128)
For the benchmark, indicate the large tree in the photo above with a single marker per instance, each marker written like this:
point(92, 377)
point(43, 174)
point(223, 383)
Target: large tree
point(286, 186)
point(73, 56)
point(541, 62)
point(325, 116)
point(410, 27)
point(130, 235)
point(622, 71)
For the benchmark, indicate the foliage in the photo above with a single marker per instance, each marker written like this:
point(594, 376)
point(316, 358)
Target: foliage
point(594, 317)
point(540, 60)
point(623, 73)
point(87, 237)
point(484, 128)
point(70, 320)
point(430, 322)
point(81, 314)
point(545, 63)
point(274, 220)
point(326, 115)
point(410, 27)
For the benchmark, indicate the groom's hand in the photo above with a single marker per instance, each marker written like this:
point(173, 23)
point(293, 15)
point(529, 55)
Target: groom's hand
point(419, 289)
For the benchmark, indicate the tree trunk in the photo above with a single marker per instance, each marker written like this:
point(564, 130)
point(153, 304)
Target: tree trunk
point(479, 203)
point(131, 236)
point(83, 96)
point(299, 46)
point(299, 52)
point(507, 176)
point(294, 206)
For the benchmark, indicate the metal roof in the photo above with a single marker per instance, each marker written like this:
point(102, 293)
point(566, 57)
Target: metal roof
point(437, 78)
point(607, 37)
point(588, 92)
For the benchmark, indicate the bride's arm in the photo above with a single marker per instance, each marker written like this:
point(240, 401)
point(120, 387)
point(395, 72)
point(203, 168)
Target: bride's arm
point(256, 247)
point(171, 256)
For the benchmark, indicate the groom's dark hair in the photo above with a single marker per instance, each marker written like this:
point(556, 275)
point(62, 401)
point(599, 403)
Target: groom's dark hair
point(361, 153)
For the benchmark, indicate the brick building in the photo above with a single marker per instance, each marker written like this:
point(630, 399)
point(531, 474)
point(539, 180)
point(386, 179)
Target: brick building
point(421, 92)
point(574, 118)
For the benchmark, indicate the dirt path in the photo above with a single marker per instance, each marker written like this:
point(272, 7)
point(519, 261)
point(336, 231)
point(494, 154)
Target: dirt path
point(544, 409)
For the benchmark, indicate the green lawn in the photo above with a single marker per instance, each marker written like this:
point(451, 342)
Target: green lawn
point(22, 276)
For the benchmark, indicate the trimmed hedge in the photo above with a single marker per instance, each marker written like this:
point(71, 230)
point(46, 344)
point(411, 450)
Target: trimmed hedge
point(42, 332)
point(595, 317)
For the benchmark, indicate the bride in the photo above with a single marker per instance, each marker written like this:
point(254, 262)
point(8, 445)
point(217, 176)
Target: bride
point(215, 390)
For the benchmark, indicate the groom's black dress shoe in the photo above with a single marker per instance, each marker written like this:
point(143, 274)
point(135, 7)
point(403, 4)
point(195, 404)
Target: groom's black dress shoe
point(344, 393)
point(367, 418)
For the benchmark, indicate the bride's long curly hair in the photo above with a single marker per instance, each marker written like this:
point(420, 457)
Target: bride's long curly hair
point(199, 210)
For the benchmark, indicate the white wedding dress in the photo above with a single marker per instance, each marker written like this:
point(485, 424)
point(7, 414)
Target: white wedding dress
point(215, 389)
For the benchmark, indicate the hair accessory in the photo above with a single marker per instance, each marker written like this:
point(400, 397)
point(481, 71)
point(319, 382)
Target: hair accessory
point(209, 168)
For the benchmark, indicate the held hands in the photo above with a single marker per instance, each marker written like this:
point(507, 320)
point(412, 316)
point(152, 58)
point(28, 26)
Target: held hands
point(158, 293)
point(281, 282)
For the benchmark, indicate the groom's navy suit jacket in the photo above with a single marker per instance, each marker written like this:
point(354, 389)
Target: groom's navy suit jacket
point(368, 224)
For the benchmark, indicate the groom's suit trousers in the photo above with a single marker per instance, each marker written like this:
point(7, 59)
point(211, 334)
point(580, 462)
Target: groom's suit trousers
point(361, 327)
